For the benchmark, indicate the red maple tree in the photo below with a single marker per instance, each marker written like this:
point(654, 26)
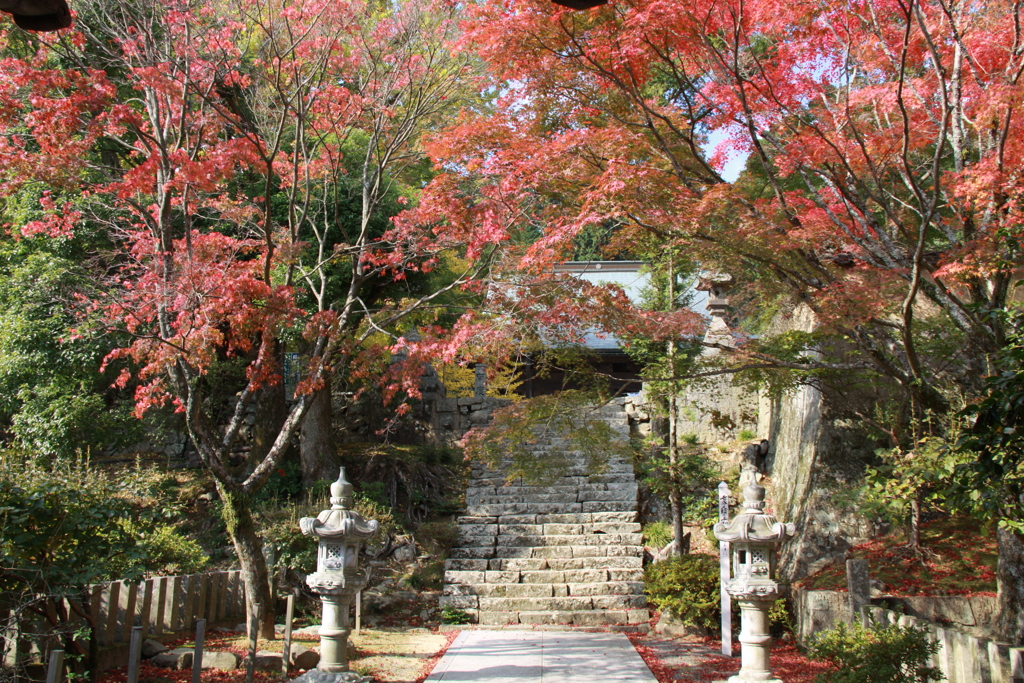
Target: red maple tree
point(210, 144)
point(881, 186)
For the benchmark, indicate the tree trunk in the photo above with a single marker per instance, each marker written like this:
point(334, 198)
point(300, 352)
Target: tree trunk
point(673, 420)
point(1010, 571)
point(249, 548)
point(271, 404)
point(914, 533)
point(317, 452)
point(674, 497)
point(677, 522)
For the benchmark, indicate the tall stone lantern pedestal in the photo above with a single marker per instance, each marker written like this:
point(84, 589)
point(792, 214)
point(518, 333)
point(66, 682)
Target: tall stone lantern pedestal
point(754, 539)
point(342, 532)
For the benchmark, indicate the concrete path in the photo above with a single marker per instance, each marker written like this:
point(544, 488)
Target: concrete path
point(541, 657)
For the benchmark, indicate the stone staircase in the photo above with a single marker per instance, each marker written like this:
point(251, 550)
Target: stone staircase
point(569, 553)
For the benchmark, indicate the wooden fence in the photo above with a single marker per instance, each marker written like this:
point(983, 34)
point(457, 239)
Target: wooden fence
point(161, 606)
point(165, 604)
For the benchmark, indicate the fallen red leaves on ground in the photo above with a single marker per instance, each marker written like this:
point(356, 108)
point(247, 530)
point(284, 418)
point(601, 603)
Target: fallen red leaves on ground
point(185, 675)
point(787, 662)
point(214, 641)
point(958, 558)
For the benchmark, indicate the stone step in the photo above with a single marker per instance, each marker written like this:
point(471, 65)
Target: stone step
point(571, 518)
point(595, 530)
point(553, 604)
point(604, 582)
point(608, 554)
point(573, 470)
point(577, 618)
point(463, 596)
point(566, 553)
point(585, 529)
point(501, 590)
point(624, 495)
point(499, 509)
point(537, 564)
point(510, 540)
point(619, 569)
point(566, 604)
point(623, 475)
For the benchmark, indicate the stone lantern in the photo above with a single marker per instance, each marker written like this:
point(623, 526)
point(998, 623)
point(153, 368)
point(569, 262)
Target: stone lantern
point(754, 539)
point(717, 285)
point(338, 577)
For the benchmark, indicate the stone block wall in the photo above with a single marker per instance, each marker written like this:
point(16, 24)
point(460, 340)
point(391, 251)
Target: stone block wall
point(717, 410)
point(450, 418)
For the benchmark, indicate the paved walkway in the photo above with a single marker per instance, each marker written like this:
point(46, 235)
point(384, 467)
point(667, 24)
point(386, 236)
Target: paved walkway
point(541, 657)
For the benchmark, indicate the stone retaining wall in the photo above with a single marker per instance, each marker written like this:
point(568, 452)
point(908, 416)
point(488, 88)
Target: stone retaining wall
point(451, 418)
point(965, 655)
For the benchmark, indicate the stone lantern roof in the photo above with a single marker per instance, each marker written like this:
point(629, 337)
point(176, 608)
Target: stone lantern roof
point(753, 524)
point(339, 521)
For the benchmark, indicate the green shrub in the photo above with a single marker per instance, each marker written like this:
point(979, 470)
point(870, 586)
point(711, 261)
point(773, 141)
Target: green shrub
point(687, 587)
point(780, 621)
point(746, 435)
point(167, 552)
point(451, 615)
point(284, 483)
point(439, 537)
point(373, 491)
point(384, 514)
point(894, 654)
point(451, 505)
point(657, 534)
point(429, 576)
point(64, 525)
point(278, 525)
point(58, 419)
point(277, 522)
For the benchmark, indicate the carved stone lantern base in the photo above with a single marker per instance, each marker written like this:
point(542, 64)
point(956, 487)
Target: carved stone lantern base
point(755, 643)
point(315, 676)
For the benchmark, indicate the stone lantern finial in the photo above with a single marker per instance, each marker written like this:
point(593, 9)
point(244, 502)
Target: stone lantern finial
point(341, 493)
point(753, 498)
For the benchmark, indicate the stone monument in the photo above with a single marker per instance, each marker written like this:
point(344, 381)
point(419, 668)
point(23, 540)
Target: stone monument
point(754, 539)
point(337, 579)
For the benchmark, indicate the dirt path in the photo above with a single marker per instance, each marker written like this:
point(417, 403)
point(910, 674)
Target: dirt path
point(397, 655)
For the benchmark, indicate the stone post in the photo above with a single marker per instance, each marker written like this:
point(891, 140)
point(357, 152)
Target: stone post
point(723, 570)
point(858, 584)
point(754, 538)
point(479, 380)
point(341, 532)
